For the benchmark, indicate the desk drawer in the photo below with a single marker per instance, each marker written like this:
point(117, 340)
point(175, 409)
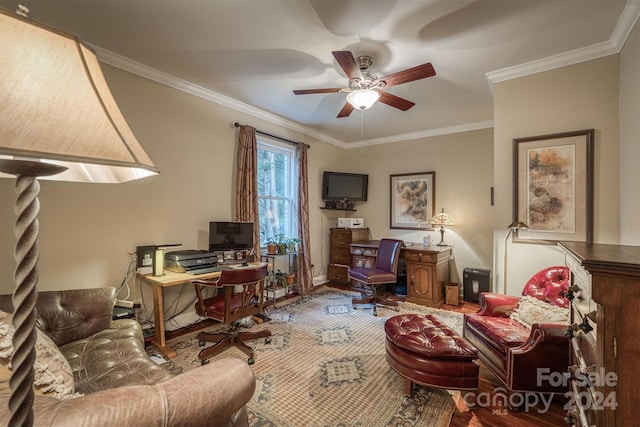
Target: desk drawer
point(417, 256)
point(338, 274)
point(340, 256)
point(340, 237)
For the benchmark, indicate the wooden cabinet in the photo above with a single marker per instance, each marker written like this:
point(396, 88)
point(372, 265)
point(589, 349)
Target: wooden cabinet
point(340, 254)
point(427, 269)
point(604, 333)
point(427, 273)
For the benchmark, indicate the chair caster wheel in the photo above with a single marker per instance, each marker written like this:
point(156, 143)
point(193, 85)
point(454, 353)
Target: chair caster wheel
point(204, 362)
point(375, 313)
point(354, 307)
point(201, 343)
point(250, 361)
point(267, 340)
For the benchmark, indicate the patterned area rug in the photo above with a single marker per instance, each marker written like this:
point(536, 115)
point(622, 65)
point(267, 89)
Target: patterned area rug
point(325, 366)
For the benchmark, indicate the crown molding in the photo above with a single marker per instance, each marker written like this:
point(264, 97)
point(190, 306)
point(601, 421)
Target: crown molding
point(620, 33)
point(423, 134)
point(619, 36)
point(107, 57)
point(625, 24)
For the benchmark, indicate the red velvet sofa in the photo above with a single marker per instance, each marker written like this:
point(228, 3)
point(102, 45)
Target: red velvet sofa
point(511, 350)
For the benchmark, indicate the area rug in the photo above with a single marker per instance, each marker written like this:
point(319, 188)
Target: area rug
point(325, 366)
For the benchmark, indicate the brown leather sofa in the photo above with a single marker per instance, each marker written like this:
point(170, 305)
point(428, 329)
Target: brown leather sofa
point(120, 383)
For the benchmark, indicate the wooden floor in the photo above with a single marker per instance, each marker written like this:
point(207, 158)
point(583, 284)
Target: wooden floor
point(500, 416)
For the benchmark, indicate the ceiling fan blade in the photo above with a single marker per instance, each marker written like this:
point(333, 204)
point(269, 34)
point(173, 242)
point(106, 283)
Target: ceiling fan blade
point(395, 101)
point(348, 63)
point(416, 73)
point(310, 91)
point(346, 110)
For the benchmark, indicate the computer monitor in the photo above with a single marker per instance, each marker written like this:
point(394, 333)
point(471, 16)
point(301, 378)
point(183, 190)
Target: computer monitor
point(230, 235)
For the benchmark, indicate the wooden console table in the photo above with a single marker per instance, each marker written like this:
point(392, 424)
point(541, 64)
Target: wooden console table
point(159, 283)
point(427, 269)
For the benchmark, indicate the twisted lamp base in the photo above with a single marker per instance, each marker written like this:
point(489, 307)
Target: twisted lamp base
point(25, 279)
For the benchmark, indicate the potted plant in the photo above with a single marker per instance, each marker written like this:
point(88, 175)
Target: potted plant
point(292, 242)
point(272, 246)
point(291, 278)
point(281, 279)
point(282, 244)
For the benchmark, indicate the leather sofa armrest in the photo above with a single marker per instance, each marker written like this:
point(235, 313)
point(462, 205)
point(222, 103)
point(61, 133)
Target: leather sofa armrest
point(71, 315)
point(497, 305)
point(545, 352)
point(211, 395)
point(553, 333)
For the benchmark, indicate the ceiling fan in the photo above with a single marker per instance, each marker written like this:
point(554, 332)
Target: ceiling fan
point(365, 88)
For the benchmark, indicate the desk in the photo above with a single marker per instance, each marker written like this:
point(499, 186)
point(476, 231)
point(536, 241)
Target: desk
point(427, 269)
point(158, 284)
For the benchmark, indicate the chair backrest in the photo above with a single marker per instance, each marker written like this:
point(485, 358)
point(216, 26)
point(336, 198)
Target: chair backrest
point(388, 255)
point(228, 306)
point(550, 285)
point(242, 276)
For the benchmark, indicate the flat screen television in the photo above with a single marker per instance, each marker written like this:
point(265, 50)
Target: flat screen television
point(226, 235)
point(342, 185)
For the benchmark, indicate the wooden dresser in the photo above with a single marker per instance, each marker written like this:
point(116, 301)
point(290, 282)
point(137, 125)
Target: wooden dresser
point(340, 255)
point(427, 269)
point(604, 333)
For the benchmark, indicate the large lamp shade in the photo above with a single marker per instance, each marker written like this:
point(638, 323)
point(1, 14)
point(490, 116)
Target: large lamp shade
point(56, 107)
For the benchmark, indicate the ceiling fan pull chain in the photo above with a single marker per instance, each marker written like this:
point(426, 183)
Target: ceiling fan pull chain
point(361, 130)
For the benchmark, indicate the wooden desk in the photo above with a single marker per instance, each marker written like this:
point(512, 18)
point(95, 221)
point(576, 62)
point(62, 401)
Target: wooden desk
point(158, 284)
point(427, 269)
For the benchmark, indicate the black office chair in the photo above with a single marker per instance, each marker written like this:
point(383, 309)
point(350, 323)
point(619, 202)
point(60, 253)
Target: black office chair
point(229, 307)
point(385, 271)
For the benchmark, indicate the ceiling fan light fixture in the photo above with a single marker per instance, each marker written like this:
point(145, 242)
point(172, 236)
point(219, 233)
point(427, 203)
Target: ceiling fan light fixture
point(363, 99)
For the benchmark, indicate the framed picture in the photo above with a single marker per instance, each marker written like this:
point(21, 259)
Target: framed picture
point(553, 188)
point(412, 200)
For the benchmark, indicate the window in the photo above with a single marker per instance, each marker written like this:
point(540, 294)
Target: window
point(277, 187)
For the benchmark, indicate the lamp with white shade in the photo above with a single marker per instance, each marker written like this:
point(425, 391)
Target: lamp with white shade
point(58, 121)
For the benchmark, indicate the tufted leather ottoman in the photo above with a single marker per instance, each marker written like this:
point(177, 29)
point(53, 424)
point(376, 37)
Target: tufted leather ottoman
point(426, 351)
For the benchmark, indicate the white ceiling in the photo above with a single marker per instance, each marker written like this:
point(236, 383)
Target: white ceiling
point(251, 54)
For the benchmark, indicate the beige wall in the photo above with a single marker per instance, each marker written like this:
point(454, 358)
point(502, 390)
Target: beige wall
point(630, 139)
point(581, 96)
point(89, 230)
point(463, 163)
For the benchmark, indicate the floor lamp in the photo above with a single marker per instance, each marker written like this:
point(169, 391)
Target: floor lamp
point(58, 121)
point(514, 226)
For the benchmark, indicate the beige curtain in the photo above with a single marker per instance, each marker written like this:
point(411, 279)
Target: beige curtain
point(247, 183)
point(305, 276)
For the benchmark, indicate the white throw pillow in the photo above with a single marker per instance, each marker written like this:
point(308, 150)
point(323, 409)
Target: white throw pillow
point(531, 310)
point(53, 375)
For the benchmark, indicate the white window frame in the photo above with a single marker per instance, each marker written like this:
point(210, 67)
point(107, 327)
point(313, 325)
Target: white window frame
point(289, 151)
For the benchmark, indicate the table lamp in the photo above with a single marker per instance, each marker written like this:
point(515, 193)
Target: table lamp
point(512, 227)
point(442, 219)
point(58, 120)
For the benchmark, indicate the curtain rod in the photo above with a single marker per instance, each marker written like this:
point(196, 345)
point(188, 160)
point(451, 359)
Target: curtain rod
point(236, 124)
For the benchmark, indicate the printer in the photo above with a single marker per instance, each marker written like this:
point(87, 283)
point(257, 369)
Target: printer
point(191, 261)
point(350, 222)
